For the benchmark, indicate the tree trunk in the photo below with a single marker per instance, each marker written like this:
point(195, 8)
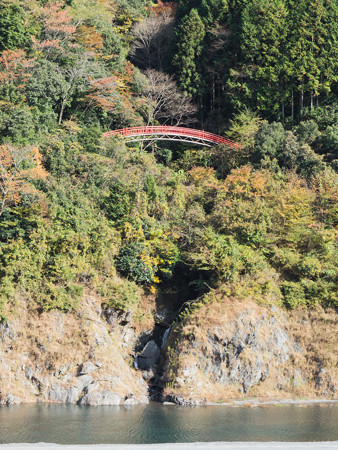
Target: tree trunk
point(64, 101)
point(301, 97)
point(292, 107)
point(213, 92)
point(311, 99)
point(3, 204)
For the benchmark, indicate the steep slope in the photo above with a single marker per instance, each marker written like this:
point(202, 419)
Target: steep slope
point(239, 349)
point(82, 357)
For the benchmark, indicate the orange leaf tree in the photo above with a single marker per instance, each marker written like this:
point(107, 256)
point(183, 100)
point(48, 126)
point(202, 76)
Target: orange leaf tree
point(18, 166)
point(164, 7)
point(15, 70)
point(114, 95)
point(90, 38)
point(58, 32)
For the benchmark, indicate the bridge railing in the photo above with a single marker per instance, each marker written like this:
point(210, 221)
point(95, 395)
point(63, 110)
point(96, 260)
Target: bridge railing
point(176, 131)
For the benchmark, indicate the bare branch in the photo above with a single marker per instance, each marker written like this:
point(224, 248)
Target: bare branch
point(165, 102)
point(153, 36)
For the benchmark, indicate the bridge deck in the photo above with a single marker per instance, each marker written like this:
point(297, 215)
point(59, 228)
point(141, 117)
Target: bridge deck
point(166, 132)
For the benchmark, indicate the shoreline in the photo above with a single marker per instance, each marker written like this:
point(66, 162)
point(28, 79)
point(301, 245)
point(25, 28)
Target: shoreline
point(275, 445)
point(274, 402)
point(250, 402)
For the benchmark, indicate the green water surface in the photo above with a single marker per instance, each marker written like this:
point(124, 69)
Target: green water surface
point(156, 423)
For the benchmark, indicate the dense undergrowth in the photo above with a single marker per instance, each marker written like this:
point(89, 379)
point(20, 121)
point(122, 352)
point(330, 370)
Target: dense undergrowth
point(79, 212)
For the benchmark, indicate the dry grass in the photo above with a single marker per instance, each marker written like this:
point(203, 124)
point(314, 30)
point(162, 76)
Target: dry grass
point(52, 341)
point(144, 313)
point(314, 332)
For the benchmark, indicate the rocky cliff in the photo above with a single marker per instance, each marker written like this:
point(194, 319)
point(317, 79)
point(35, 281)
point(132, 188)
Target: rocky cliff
point(82, 357)
point(227, 349)
point(239, 349)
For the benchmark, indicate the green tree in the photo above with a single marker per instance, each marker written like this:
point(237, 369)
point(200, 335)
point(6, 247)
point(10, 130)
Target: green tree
point(119, 203)
point(46, 87)
point(134, 262)
point(327, 144)
point(17, 125)
point(13, 31)
point(307, 131)
point(210, 11)
point(312, 48)
point(189, 39)
point(263, 40)
point(277, 149)
point(270, 141)
point(244, 127)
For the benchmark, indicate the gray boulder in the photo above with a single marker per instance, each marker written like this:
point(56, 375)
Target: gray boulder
point(149, 356)
point(96, 398)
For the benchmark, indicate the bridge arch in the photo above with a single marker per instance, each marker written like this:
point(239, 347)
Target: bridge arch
point(169, 133)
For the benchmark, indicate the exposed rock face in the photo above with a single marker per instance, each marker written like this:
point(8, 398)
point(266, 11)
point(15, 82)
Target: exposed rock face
point(227, 349)
point(230, 350)
point(242, 351)
point(70, 358)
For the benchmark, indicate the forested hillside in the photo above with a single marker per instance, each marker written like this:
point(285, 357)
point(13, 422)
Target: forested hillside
point(79, 213)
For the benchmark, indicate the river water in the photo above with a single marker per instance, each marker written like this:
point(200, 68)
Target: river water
point(156, 423)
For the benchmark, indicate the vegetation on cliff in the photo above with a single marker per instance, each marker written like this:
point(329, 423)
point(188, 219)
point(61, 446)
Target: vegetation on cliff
point(80, 212)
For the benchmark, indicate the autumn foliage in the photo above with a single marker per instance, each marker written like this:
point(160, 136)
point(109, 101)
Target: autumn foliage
point(89, 38)
point(18, 167)
point(58, 29)
point(15, 68)
point(164, 8)
point(120, 220)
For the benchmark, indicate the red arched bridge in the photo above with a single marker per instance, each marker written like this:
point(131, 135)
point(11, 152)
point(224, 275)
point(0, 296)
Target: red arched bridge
point(168, 133)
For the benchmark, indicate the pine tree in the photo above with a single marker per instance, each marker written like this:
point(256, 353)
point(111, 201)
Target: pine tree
point(210, 11)
point(312, 48)
point(264, 66)
point(190, 35)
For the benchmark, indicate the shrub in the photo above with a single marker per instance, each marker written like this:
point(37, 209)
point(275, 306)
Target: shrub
point(320, 292)
point(120, 296)
point(307, 131)
point(135, 262)
point(119, 203)
point(150, 187)
point(64, 298)
point(293, 294)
